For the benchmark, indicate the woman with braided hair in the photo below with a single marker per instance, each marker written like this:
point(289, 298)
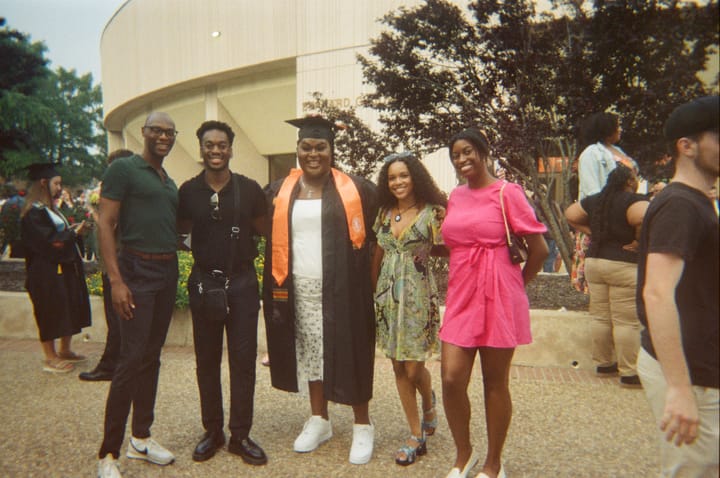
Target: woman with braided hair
point(613, 218)
point(599, 137)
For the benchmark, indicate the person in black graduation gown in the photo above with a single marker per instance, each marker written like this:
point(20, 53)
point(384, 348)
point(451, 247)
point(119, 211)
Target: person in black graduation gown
point(317, 292)
point(55, 276)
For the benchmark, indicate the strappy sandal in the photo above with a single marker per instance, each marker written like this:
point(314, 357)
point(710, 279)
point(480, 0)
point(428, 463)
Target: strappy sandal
point(72, 357)
point(411, 453)
point(57, 366)
point(429, 426)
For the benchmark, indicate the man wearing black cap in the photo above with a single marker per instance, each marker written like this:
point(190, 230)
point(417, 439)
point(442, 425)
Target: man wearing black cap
point(223, 211)
point(140, 201)
point(679, 362)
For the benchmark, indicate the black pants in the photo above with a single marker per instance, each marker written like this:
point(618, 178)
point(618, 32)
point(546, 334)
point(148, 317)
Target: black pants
point(241, 330)
point(109, 358)
point(153, 285)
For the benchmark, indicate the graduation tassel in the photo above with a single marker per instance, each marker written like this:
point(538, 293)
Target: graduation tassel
point(59, 270)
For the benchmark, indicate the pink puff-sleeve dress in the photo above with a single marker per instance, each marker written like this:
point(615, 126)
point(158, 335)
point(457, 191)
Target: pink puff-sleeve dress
point(486, 303)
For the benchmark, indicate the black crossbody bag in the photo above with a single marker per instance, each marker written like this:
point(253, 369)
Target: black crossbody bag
point(213, 286)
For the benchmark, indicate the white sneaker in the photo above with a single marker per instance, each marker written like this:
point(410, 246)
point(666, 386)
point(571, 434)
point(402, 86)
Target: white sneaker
point(149, 450)
point(362, 445)
point(456, 473)
point(108, 467)
point(317, 430)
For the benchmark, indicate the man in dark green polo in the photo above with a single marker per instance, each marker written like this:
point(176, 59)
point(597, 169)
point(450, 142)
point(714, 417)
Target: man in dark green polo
point(140, 200)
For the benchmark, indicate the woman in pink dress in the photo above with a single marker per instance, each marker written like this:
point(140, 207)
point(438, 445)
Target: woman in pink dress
point(487, 310)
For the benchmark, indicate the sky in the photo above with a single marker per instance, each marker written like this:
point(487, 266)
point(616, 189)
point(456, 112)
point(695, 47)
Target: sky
point(70, 29)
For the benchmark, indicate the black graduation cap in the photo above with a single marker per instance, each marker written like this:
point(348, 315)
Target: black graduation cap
point(314, 127)
point(42, 171)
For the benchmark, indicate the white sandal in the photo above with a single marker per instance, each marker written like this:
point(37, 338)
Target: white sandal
point(57, 366)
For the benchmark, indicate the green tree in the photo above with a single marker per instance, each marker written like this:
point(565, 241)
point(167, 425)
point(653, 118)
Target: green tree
point(23, 71)
point(76, 138)
point(528, 79)
point(46, 115)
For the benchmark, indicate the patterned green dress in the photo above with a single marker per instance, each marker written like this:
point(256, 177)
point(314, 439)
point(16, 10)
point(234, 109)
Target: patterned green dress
point(406, 297)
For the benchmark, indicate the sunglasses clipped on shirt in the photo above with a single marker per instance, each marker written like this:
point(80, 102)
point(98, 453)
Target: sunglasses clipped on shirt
point(215, 207)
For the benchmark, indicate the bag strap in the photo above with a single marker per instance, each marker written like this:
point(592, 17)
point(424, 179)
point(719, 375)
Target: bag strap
point(502, 208)
point(235, 229)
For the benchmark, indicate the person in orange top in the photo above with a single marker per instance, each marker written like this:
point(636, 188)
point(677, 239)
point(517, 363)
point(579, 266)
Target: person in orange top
point(317, 293)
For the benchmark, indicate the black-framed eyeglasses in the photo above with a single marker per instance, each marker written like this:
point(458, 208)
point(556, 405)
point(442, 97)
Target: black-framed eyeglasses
point(157, 131)
point(395, 156)
point(215, 207)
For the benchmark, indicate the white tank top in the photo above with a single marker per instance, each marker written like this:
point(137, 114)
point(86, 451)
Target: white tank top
point(307, 238)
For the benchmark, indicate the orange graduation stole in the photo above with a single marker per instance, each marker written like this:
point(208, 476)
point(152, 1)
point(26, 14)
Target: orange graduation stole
point(352, 204)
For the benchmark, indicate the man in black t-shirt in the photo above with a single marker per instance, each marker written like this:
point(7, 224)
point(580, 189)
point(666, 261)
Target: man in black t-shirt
point(223, 211)
point(679, 364)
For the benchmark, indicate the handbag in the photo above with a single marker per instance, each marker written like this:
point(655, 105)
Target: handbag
point(517, 246)
point(213, 286)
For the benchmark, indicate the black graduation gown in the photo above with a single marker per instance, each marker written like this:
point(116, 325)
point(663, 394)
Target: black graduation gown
point(55, 276)
point(348, 310)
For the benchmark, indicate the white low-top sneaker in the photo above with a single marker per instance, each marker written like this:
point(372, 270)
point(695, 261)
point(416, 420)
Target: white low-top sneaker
point(149, 450)
point(362, 445)
point(108, 467)
point(317, 430)
point(457, 473)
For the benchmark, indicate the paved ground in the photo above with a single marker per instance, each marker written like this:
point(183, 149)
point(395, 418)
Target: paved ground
point(566, 423)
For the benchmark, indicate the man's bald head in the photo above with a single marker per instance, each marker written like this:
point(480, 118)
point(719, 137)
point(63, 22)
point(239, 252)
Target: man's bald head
point(156, 116)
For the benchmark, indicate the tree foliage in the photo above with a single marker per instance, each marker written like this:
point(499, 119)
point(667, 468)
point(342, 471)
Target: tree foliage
point(77, 138)
point(47, 115)
point(23, 72)
point(528, 79)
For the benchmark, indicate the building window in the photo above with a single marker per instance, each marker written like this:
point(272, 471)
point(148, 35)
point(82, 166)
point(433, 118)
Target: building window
point(279, 165)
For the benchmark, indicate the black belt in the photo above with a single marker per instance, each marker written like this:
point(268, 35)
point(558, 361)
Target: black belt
point(219, 274)
point(151, 256)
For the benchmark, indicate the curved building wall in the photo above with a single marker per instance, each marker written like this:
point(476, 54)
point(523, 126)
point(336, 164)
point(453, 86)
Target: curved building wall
point(262, 68)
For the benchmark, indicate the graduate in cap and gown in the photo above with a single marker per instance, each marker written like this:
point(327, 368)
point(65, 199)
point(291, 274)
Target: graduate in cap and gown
point(55, 276)
point(318, 298)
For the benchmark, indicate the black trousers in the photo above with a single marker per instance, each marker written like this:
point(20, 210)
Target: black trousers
point(241, 329)
point(153, 285)
point(110, 356)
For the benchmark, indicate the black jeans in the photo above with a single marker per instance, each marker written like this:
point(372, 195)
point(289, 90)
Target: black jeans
point(109, 358)
point(153, 285)
point(241, 329)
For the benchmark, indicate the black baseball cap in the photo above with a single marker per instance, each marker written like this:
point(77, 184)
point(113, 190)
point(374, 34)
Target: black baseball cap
point(695, 117)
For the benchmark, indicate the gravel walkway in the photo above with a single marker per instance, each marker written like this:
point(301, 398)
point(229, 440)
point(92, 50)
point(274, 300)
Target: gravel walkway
point(566, 423)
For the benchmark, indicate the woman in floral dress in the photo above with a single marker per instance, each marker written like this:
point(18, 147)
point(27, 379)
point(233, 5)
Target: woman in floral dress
point(406, 299)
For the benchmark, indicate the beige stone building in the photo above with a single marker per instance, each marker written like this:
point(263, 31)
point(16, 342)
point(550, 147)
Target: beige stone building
point(252, 64)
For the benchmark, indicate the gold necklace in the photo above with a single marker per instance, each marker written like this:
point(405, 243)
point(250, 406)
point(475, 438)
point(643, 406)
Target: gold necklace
point(398, 216)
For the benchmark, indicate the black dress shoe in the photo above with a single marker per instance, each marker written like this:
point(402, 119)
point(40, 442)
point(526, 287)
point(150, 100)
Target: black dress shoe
point(249, 451)
point(96, 375)
point(209, 445)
